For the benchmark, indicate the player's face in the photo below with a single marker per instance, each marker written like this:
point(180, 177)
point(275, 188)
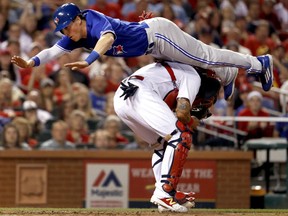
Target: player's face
point(73, 30)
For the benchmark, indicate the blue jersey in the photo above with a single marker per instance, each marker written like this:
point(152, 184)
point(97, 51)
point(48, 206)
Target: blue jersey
point(130, 37)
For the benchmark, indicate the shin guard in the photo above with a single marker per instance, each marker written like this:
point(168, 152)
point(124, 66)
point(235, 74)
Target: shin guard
point(181, 150)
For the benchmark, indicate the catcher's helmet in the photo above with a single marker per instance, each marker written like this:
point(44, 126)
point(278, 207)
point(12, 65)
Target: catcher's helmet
point(64, 15)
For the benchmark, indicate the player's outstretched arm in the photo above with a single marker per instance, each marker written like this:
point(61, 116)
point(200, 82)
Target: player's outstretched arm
point(77, 65)
point(41, 58)
point(22, 63)
point(102, 46)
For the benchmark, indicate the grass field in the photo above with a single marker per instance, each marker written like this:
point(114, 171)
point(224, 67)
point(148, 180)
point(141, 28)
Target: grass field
point(138, 212)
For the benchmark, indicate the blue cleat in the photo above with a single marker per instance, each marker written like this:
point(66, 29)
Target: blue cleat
point(230, 87)
point(266, 76)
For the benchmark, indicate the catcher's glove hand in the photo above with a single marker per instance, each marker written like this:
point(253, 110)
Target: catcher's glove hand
point(128, 90)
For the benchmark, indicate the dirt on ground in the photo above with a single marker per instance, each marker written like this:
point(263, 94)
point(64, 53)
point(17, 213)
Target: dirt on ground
point(140, 212)
point(165, 214)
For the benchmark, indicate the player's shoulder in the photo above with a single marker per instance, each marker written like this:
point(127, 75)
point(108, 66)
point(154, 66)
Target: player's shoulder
point(65, 43)
point(89, 13)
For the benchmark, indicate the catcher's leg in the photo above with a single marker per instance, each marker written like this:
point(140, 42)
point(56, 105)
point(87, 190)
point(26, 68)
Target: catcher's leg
point(157, 159)
point(170, 166)
point(174, 158)
point(187, 199)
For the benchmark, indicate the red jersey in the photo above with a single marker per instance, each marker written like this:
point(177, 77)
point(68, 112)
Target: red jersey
point(257, 132)
point(258, 48)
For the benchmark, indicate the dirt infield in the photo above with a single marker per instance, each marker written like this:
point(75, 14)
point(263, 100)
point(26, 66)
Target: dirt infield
point(136, 212)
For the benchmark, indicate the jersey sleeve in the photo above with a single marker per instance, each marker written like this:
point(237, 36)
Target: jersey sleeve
point(47, 55)
point(66, 44)
point(100, 24)
point(189, 85)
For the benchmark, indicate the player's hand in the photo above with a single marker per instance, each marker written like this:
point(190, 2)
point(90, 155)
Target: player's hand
point(195, 124)
point(22, 63)
point(77, 65)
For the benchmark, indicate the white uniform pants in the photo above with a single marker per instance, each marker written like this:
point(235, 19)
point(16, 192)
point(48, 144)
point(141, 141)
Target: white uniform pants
point(149, 117)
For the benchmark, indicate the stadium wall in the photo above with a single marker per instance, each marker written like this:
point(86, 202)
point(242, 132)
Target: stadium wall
point(58, 178)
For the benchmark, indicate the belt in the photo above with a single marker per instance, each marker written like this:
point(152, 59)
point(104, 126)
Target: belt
point(150, 45)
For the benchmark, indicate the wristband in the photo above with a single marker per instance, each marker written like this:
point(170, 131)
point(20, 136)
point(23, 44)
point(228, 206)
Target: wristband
point(36, 61)
point(190, 123)
point(93, 56)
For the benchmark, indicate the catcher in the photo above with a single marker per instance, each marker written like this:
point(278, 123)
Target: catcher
point(156, 102)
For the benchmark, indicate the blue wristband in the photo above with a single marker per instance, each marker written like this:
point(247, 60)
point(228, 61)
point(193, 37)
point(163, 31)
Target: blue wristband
point(36, 61)
point(93, 56)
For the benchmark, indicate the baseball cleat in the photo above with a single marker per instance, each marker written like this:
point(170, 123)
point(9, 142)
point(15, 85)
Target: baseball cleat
point(185, 199)
point(187, 204)
point(230, 87)
point(266, 76)
point(162, 209)
point(168, 204)
point(182, 197)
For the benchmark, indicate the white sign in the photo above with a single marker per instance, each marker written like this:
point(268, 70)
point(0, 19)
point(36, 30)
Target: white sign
point(107, 185)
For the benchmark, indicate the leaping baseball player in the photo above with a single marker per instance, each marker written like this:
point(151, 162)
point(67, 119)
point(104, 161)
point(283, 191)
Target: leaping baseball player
point(158, 36)
point(145, 102)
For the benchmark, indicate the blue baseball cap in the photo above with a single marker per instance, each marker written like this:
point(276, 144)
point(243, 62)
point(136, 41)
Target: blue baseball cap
point(64, 15)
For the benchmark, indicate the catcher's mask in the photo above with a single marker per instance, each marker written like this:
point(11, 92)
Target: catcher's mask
point(207, 95)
